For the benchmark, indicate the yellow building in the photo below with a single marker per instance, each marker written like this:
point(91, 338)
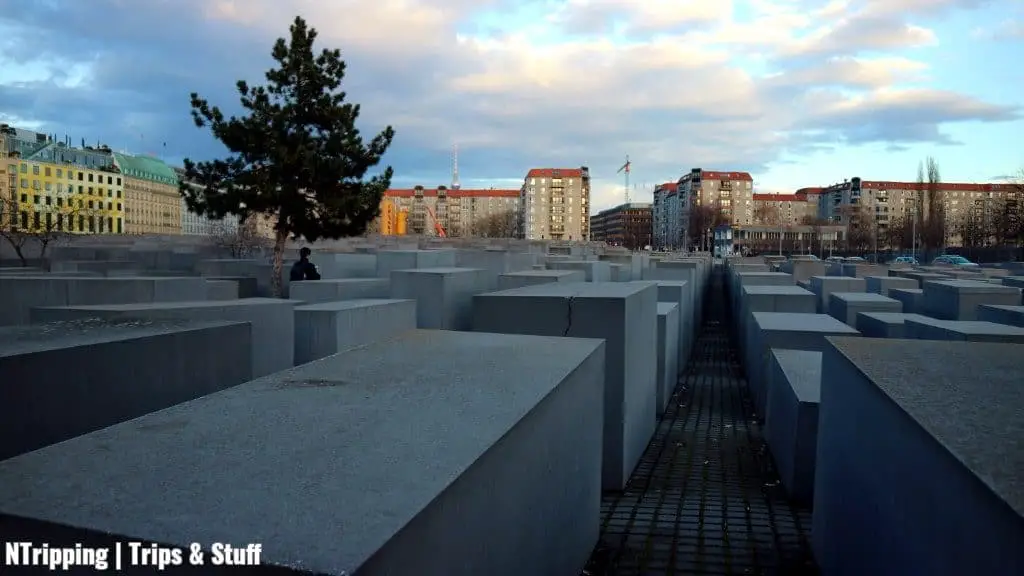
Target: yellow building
point(65, 197)
point(153, 201)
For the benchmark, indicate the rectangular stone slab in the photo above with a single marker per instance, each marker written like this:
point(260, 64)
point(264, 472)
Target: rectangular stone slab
point(327, 328)
point(844, 306)
point(791, 418)
point(531, 277)
point(912, 299)
point(444, 296)
point(272, 320)
point(924, 328)
point(1009, 315)
point(625, 315)
point(668, 352)
point(884, 324)
point(824, 286)
point(62, 379)
point(932, 483)
point(376, 461)
point(767, 330)
point(882, 284)
point(678, 292)
point(313, 291)
point(959, 299)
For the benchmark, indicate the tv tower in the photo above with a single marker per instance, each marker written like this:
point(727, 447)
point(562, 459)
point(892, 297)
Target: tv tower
point(455, 167)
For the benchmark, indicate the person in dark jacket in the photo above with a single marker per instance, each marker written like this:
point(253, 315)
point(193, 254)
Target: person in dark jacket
point(304, 269)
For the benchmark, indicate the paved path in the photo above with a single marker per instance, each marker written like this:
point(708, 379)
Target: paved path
point(705, 499)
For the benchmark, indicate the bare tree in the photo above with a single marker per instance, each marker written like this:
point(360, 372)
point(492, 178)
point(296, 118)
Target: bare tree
point(767, 215)
point(241, 241)
point(703, 219)
point(40, 226)
point(931, 206)
point(496, 225)
point(971, 227)
point(899, 234)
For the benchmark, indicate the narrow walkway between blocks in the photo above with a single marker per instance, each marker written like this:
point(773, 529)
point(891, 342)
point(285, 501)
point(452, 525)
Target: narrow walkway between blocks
point(705, 498)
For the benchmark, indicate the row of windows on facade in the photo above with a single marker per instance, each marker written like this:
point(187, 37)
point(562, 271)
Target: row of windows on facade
point(60, 174)
point(48, 200)
point(60, 189)
point(66, 222)
point(554, 181)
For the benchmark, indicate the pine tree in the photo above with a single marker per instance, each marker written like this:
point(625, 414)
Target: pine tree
point(296, 156)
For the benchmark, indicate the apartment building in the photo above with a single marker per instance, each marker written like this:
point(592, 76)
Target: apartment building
point(453, 212)
point(193, 224)
point(43, 196)
point(784, 209)
point(627, 225)
point(729, 194)
point(153, 202)
point(555, 204)
point(885, 202)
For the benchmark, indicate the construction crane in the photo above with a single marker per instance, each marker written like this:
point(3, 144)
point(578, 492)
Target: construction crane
point(625, 168)
point(437, 225)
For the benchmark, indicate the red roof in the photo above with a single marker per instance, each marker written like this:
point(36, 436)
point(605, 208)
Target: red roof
point(811, 190)
point(550, 173)
point(779, 198)
point(463, 193)
point(951, 186)
point(734, 176)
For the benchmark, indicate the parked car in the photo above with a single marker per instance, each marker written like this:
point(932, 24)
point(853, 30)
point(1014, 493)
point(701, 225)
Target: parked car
point(952, 260)
point(910, 260)
point(834, 259)
point(855, 260)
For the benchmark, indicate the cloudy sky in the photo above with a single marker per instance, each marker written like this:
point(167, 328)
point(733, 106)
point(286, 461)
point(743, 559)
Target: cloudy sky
point(798, 92)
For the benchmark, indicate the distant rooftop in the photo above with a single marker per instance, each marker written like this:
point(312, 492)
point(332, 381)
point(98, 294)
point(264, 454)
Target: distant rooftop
point(146, 168)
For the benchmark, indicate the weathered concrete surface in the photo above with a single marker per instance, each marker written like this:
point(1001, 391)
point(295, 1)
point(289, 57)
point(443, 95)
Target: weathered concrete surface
point(330, 327)
point(372, 462)
point(313, 291)
point(531, 277)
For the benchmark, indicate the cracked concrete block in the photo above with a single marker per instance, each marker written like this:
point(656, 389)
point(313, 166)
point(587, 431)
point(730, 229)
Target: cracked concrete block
point(625, 315)
point(668, 353)
point(272, 320)
point(330, 327)
point(60, 380)
point(444, 296)
point(399, 446)
point(919, 459)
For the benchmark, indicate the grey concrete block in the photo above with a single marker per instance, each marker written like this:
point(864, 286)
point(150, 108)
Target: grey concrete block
point(931, 484)
point(924, 328)
point(824, 286)
point(911, 298)
point(338, 266)
point(531, 277)
point(22, 293)
point(862, 270)
point(785, 298)
point(313, 291)
point(400, 447)
point(844, 306)
point(680, 271)
point(882, 284)
point(959, 299)
point(883, 324)
point(330, 327)
point(668, 353)
point(444, 296)
point(767, 330)
point(594, 271)
point(921, 277)
point(247, 285)
point(64, 379)
point(495, 262)
point(743, 279)
point(272, 321)
point(624, 314)
point(678, 292)
point(390, 260)
point(802, 270)
point(1009, 315)
point(791, 418)
point(221, 290)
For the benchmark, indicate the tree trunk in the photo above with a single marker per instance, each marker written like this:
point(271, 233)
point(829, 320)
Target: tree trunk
point(275, 281)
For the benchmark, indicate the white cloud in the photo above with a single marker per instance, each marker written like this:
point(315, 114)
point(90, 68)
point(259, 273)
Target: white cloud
point(675, 84)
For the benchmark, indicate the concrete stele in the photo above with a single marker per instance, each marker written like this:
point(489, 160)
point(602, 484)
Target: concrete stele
point(410, 439)
point(327, 328)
